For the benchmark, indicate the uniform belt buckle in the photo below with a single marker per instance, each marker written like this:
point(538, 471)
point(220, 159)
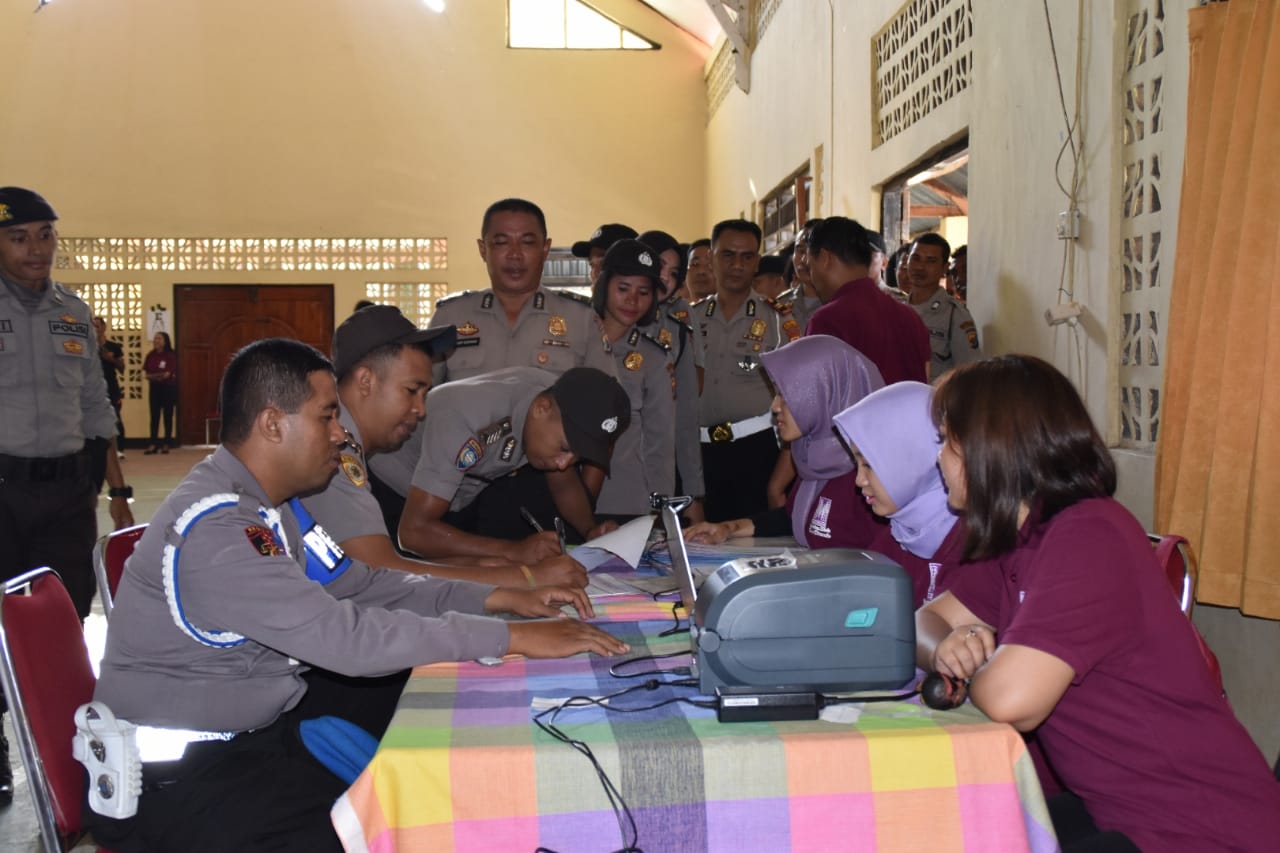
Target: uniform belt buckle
point(722, 432)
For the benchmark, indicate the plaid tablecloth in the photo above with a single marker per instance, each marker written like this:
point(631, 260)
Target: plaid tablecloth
point(463, 767)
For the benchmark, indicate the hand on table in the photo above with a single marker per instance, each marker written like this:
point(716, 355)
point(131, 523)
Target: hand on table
point(963, 652)
point(558, 638)
point(715, 532)
point(538, 602)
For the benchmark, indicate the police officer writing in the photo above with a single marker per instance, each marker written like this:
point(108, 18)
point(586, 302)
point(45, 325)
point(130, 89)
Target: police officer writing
point(233, 603)
point(55, 401)
point(383, 366)
point(517, 322)
point(479, 430)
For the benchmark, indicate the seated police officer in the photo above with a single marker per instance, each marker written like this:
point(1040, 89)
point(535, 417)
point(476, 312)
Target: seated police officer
point(480, 430)
point(228, 601)
point(383, 366)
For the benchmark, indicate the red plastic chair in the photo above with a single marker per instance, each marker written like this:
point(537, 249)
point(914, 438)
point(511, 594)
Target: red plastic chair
point(45, 669)
point(1173, 553)
point(109, 554)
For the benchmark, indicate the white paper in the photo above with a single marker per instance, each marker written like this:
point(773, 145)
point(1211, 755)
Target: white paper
point(605, 585)
point(627, 541)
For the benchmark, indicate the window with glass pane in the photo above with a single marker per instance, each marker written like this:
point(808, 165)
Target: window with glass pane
point(567, 24)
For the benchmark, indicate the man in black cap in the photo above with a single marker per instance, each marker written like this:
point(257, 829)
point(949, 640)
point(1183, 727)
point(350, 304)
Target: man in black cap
point(769, 281)
point(601, 239)
point(383, 366)
point(481, 429)
point(55, 400)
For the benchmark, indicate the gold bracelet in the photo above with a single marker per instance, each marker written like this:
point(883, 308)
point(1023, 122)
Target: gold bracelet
point(528, 575)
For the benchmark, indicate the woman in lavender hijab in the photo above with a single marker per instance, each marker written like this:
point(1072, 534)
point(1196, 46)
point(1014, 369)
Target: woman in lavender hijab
point(813, 378)
point(895, 445)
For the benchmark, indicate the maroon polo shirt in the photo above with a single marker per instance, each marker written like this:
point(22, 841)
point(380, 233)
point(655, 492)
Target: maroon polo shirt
point(886, 331)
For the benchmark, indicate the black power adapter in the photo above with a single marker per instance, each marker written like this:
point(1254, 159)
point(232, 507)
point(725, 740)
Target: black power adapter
point(750, 704)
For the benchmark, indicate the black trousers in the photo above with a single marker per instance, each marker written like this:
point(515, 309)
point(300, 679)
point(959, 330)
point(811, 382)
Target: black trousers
point(260, 791)
point(1077, 833)
point(163, 400)
point(737, 475)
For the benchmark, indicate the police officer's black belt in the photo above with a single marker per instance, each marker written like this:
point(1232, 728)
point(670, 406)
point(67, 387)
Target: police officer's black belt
point(43, 469)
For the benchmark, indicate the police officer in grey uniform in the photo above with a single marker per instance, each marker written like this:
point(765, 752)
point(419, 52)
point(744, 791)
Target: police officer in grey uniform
point(643, 461)
point(480, 430)
point(55, 404)
point(953, 336)
point(673, 328)
point(801, 299)
point(517, 322)
point(383, 367)
point(739, 447)
point(234, 593)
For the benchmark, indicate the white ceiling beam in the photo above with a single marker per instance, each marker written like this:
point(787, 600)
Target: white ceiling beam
point(737, 29)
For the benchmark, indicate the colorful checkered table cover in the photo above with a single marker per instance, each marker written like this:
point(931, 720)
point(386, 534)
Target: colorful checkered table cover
point(463, 767)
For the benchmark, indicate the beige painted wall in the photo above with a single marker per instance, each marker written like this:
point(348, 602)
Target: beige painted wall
point(340, 118)
point(1014, 123)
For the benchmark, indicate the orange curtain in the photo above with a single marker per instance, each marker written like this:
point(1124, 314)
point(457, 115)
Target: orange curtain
point(1218, 457)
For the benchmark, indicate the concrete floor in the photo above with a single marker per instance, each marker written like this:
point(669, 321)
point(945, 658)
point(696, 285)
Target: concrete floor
point(152, 478)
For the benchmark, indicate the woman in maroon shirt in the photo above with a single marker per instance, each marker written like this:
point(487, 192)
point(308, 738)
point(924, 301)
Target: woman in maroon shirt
point(895, 444)
point(161, 369)
point(1064, 624)
point(814, 378)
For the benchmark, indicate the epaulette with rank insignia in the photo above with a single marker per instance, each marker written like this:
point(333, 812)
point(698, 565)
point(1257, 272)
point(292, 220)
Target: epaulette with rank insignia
point(657, 343)
point(576, 297)
point(789, 324)
point(444, 300)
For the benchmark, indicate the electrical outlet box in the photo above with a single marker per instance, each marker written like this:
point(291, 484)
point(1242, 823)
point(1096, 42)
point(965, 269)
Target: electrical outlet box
point(1063, 312)
point(1069, 224)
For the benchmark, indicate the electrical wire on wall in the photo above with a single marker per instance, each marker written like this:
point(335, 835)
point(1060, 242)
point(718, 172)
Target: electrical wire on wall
point(1067, 309)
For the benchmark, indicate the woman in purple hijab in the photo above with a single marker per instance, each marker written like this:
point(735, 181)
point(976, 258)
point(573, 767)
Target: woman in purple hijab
point(895, 444)
point(814, 378)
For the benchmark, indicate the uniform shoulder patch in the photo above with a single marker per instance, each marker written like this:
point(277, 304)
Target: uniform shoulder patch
point(570, 295)
point(469, 454)
point(445, 300)
point(781, 307)
point(494, 431)
point(263, 540)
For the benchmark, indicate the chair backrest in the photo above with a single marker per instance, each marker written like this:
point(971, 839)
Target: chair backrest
point(44, 665)
point(1173, 553)
point(109, 554)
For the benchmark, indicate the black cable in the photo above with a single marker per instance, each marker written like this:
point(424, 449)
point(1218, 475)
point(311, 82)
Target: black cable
point(680, 670)
point(626, 821)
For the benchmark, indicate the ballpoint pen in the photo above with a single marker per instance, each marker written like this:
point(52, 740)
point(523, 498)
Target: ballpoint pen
point(528, 516)
point(559, 522)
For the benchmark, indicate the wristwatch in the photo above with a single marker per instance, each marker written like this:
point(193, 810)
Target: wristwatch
point(122, 492)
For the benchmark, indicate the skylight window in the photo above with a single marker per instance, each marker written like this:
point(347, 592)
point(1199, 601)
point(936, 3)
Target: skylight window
point(567, 24)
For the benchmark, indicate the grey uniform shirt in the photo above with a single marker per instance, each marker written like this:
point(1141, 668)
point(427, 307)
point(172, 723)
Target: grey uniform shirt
point(802, 306)
point(644, 454)
point(346, 508)
point(473, 434)
point(952, 333)
point(212, 630)
point(556, 330)
point(734, 387)
point(51, 383)
point(673, 328)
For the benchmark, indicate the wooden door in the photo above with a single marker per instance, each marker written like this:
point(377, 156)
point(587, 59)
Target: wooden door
point(213, 321)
